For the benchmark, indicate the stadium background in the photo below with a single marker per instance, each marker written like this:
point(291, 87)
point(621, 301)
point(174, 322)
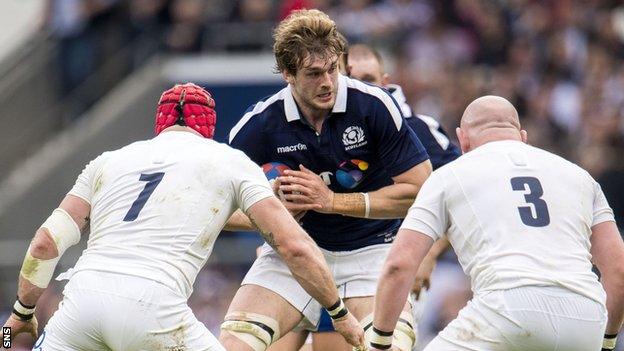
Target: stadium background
point(78, 77)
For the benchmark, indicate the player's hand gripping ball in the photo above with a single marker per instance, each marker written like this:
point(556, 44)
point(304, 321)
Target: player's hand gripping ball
point(272, 171)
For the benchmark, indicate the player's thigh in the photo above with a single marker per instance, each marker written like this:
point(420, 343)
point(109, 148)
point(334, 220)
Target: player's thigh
point(262, 301)
point(181, 331)
point(362, 307)
point(292, 341)
point(329, 341)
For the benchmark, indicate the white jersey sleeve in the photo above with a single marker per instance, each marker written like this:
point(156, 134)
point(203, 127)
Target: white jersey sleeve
point(602, 211)
point(250, 183)
point(84, 185)
point(428, 214)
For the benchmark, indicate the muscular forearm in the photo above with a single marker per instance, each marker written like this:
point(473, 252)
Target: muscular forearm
point(41, 250)
point(392, 291)
point(311, 271)
point(391, 201)
point(28, 293)
point(280, 230)
point(400, 268)
point(437, 249)
point(614, 286)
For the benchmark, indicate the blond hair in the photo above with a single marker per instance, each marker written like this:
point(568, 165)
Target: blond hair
point(304, 33)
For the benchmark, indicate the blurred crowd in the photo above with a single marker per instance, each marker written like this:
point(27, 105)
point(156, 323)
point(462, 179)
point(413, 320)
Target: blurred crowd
point(560, 62)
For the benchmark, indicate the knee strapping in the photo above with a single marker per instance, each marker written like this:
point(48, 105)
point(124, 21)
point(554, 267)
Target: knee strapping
point(256, 330)
point(404, 336)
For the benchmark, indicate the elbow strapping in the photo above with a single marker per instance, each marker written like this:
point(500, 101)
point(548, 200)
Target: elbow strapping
point(43, 246)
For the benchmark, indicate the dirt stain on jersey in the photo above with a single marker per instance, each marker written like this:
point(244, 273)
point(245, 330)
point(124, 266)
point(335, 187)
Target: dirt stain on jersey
point(98, 184)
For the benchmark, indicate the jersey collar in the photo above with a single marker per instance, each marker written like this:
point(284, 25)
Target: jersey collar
point(340, 106)
point(397, 94)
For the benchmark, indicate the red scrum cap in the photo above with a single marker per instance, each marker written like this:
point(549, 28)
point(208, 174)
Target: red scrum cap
point(186, 105)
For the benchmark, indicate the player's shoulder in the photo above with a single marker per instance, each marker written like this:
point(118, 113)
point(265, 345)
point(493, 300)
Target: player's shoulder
point(120, 152)
point(361, 94)
point(225, 151)
point(560, 163)
point(259, 113)
point(424, 122)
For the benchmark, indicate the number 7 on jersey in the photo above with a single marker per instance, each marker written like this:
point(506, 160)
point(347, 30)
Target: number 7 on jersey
point(152, 180)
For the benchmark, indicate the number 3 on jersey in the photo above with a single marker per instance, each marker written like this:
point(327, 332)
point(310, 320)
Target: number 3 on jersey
point(534, 196)
point(152, 180)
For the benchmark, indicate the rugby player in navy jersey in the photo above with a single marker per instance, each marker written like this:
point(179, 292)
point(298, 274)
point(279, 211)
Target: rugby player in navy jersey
point(354, 161)
point(366, 64)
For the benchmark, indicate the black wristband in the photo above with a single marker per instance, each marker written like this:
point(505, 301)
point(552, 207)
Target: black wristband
point(383, 333)
point(343, 312)
point(334, 306)
point(610, 336)
point(380, 339)
point(24, 305)
point(23, 317)
point(380, 347)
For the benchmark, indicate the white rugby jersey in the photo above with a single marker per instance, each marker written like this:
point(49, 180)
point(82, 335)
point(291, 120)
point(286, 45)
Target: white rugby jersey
point(516, 215)
point(157, 206)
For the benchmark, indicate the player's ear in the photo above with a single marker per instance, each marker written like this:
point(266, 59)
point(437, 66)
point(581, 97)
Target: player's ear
point(464, 143)
point(289, 78)
point(523, 135)
point(385, 79)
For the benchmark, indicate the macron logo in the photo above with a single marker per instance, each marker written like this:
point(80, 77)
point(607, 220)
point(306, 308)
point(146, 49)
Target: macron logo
point(291, 148)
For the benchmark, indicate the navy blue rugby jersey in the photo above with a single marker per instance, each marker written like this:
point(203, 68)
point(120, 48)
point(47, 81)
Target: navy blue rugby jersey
point(362, 144)
point(440, 149)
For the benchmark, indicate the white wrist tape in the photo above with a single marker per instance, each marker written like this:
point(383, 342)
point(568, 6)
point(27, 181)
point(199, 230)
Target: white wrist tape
point(609, 343)
point(380, 339)
point(337, 311)
point(367, 205)
point(65, 233)
point(23, 310)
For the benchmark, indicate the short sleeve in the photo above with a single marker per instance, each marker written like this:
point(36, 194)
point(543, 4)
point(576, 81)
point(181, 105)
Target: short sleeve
point(250, 183)
point(83, 187)
point(428, 214)
point(601, 212)
point(247, 136)
point(397, 145)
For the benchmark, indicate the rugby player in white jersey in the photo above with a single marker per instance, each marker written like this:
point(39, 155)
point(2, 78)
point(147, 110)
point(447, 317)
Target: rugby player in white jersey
point(526, 226)
point(155, 208)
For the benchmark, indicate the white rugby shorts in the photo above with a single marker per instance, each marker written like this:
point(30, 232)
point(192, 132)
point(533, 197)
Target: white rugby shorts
point(531, 318)
point(109, 311)
point(355, 272)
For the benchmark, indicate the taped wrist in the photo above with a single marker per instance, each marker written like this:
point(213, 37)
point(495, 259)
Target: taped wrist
point(337, 310)
point(381, 339)
point(609, 341)
point(65, 233)
point(351, 204)
point(22, 311)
